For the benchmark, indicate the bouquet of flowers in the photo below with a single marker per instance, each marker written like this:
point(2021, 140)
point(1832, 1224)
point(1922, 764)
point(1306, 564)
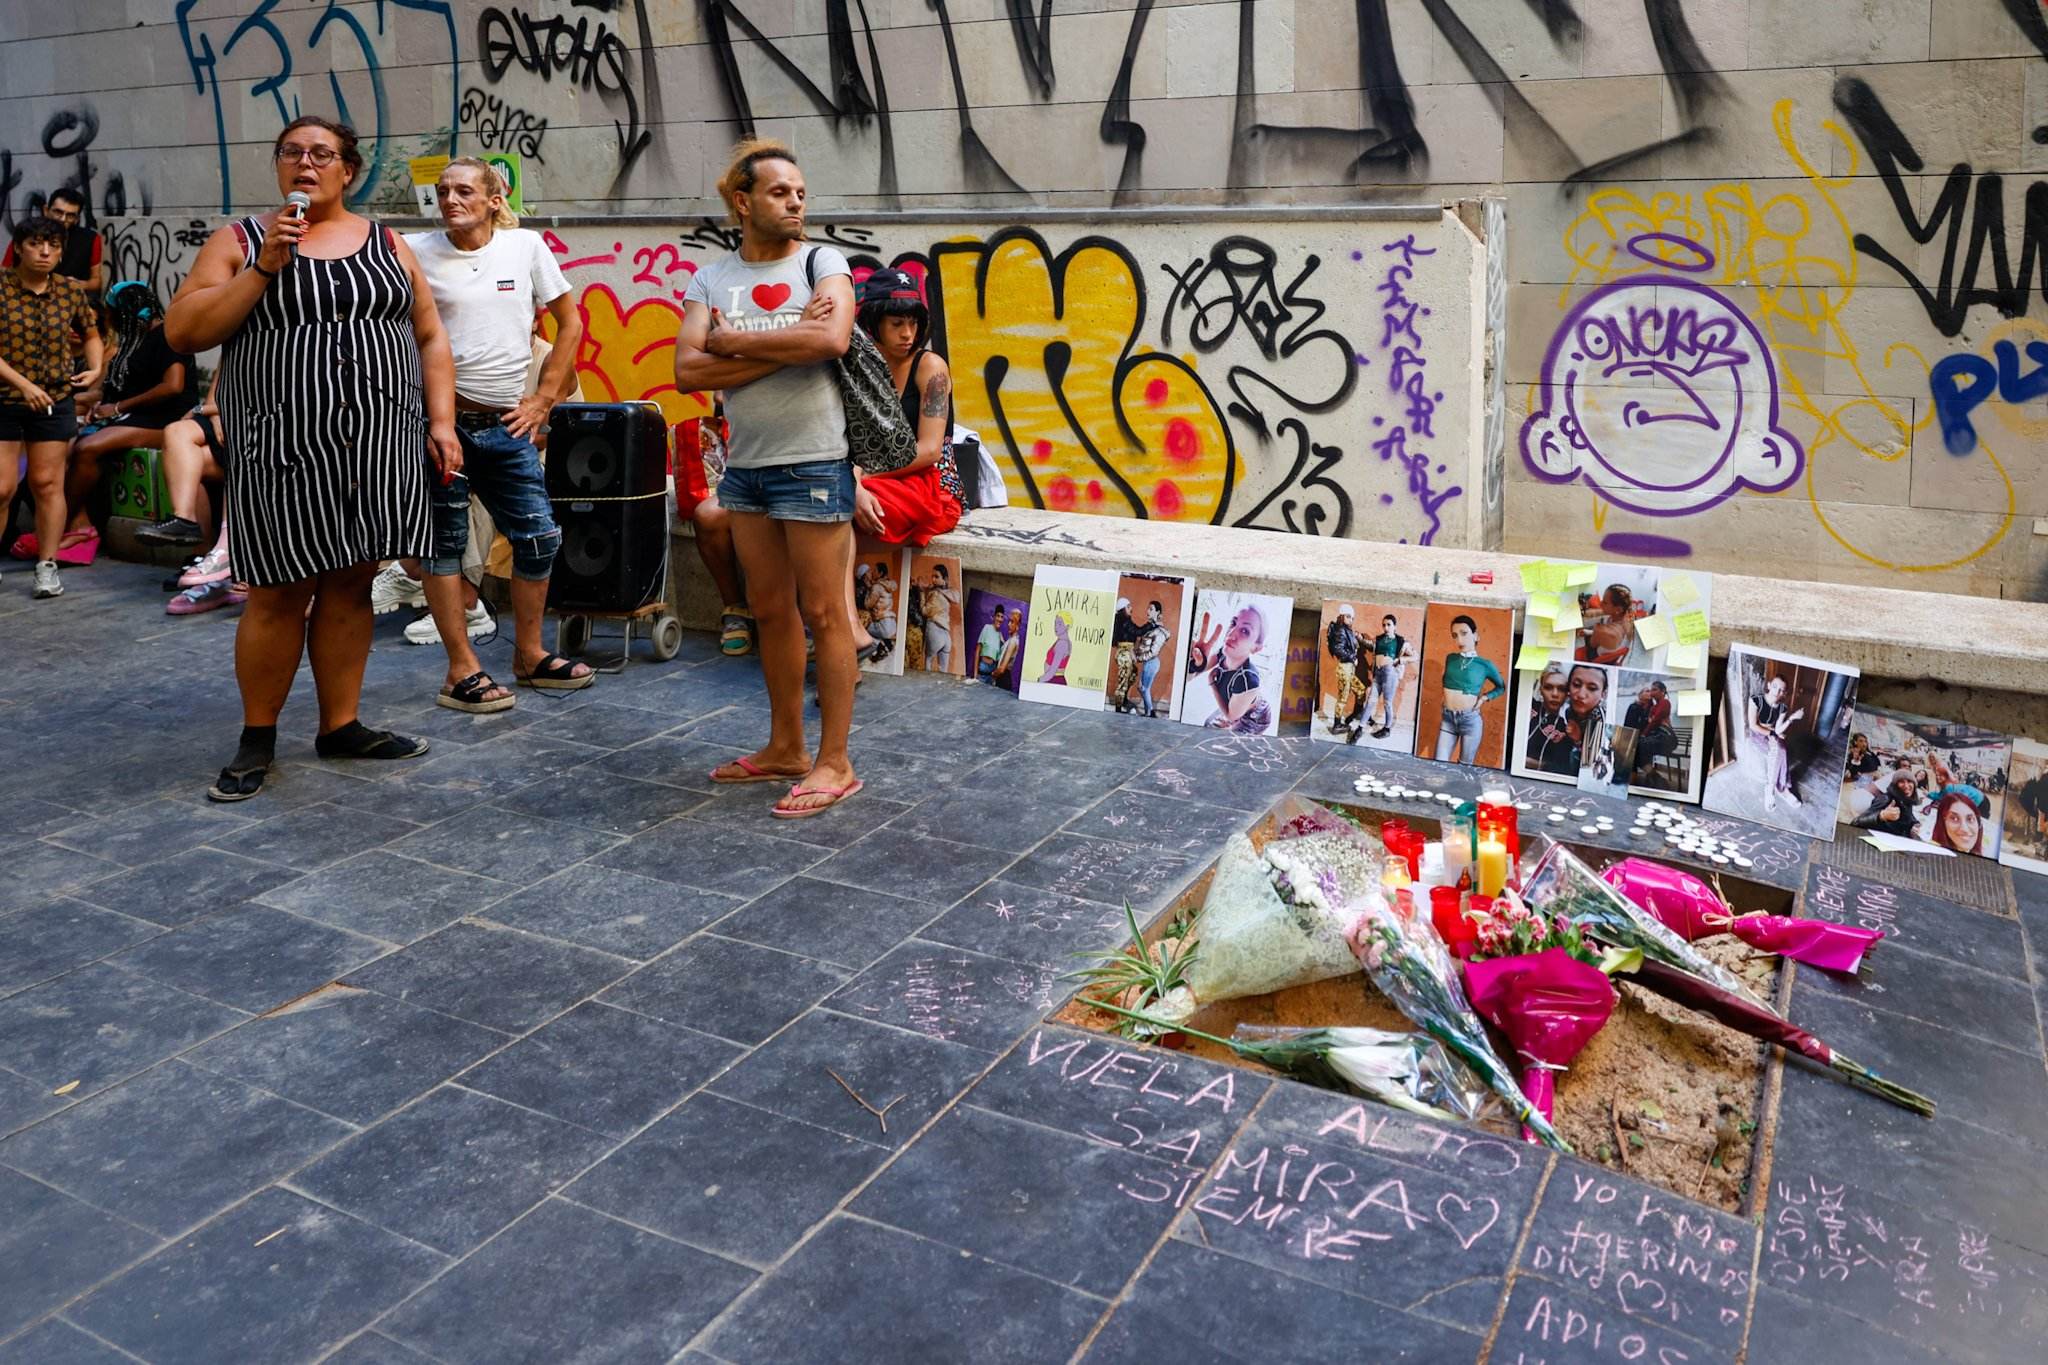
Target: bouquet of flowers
point(1277, 918)
point(1562, 885)
point(1509, 928)
point(1411, 967)
point(1549, 1003)
point(1689, 908)
point(1405, 1070)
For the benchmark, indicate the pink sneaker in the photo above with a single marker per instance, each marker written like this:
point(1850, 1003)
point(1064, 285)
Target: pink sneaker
point(210, 567)
point(205, 597)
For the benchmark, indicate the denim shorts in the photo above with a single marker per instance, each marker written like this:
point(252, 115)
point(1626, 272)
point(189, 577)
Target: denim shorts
point(504, 473)
point(817, 490)
point(33, 425)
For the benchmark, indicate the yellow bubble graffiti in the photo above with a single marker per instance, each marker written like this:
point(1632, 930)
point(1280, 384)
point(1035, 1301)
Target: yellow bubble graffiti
point(1038, 351)
point(1791, 258)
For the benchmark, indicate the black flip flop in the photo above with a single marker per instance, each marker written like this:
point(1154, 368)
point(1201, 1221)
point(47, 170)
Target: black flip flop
point(363, 742)
point(472, 694)
point(555, 674)
point(237, 784)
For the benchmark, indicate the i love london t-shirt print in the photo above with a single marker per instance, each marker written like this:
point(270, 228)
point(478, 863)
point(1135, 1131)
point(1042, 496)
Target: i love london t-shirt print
point(793, 415)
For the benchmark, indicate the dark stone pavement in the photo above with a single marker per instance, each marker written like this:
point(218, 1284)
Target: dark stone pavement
point(526, 1051)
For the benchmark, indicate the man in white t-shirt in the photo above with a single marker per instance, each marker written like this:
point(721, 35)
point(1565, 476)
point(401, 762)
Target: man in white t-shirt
point(763, 324)
point(488, 275)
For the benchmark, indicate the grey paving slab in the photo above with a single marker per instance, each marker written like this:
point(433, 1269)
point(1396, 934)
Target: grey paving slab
point(254, 958)
point(1104, 871)
point(901, 863)
point(729, 1178)
point(500, 978)
point(56, 1342)
point(348, 1052)
point(451, 1170)
point(149, 832)
point(1934, 990)
point(1012, 819)
point(278, 1279)
point(55, 1248)
point(907, 1074)
point(172, 1146)
point(993, 1313)
point(565, 1283)
point(1786, 1328)
point(1029, 925)
point(23, 1101)
point(100, 1023)
point(1990, 943)
point(750, 808)
point(954, 995)
point(53, 938)
point(1197, 1306)
point(843, 925)
point(1159, 822)
point(693, 853)
point(721, 986)
point(189, 885)
point(493, 842)
point(606, 1069)
point(1035, 1198)
point(1546, 1320)
point(672, 760)
point(313, 837)
point(38, 870)
point(383, 895)
point(612, 911)
point(373, 1348)
point(1232, 783)
point(607, 805)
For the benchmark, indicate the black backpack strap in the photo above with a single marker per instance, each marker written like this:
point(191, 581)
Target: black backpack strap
point(811, 268)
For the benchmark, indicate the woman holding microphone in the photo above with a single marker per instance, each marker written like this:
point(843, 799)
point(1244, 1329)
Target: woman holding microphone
point(336, 389)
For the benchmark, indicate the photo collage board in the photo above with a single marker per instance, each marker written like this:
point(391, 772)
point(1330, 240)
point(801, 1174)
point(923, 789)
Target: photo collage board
point(1605, 689)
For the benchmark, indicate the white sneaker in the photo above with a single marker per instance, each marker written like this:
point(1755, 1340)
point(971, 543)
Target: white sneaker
point(1790, 799)
point(393, 588)
point(477, 620)
point(47, 582)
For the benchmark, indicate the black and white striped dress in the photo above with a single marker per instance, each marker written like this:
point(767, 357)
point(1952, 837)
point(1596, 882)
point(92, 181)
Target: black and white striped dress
point(321, 404)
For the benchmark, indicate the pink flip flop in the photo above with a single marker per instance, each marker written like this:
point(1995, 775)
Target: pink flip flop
point(837, 794)
point(81, 550)
point(754, 773)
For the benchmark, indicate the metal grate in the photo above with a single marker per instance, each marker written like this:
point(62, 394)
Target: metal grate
point(1976, 882)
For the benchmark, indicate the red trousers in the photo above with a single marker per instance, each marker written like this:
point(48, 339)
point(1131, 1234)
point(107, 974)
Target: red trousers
point(915, 507)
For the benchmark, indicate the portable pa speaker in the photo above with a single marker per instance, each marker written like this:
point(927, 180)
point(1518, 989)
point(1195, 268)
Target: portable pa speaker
point(607, 467)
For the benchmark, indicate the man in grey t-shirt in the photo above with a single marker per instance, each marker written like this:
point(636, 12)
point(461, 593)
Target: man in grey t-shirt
point(764, 325)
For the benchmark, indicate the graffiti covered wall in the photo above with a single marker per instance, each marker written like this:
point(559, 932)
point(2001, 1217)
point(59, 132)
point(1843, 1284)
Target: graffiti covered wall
point(1776, 282)
point(1318, 377)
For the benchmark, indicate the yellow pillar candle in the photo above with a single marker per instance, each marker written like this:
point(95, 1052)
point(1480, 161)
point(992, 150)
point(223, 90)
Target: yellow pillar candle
point(1493, 866)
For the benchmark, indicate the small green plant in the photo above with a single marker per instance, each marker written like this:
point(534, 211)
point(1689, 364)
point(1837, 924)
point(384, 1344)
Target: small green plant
point(1137, 975)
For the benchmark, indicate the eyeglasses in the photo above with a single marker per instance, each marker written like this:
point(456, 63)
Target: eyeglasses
point(322, 157)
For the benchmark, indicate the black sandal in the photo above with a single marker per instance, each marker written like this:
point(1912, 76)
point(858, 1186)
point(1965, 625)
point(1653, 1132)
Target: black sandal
point(237, 784)
point(356, 740)
point(554, 674)
point(473, 694)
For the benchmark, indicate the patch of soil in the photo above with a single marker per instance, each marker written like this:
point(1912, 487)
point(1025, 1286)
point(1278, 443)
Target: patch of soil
point(1666, 1095)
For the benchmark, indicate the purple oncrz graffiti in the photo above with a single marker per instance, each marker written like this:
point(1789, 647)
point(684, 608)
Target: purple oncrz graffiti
point(1661, 394)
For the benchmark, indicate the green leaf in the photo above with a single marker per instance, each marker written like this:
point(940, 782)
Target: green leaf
point(1635, 1140)
point(1621, 960)
point(1653, 1109)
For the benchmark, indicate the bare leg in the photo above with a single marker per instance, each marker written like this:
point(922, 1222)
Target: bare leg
point(819, 553)
point(10, 474)
point(187, 464)
point(715, 548)
point(860, 634)
point(529, 601)
point(772, 596)
point(268, 642)
point(46, 461)
point(85, 464)
point(338, 639)
point(445, 602)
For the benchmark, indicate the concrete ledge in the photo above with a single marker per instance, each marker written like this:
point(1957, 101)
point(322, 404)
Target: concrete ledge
point(1964, 642)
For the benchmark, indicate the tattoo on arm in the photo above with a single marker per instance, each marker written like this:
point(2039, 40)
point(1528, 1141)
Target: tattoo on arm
point(936, 391)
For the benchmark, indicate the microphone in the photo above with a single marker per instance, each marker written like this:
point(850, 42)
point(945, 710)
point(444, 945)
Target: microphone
point(300, 200)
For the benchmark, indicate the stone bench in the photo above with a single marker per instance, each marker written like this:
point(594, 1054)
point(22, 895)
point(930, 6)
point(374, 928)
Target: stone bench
point(1958, 658)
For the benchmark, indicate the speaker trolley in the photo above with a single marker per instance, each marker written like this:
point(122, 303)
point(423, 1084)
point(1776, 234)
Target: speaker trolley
point(607, 472)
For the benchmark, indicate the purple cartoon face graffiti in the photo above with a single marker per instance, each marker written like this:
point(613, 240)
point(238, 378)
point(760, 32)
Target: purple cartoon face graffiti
point(1661, 395)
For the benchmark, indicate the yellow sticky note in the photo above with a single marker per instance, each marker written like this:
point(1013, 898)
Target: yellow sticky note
point(1692, 703)
point(1677, 590)
point(1549, 637)
point(1533, 574)
point(1554, 576)
point(1568, 617)
point(1654, 631)
point(1692, 627)
point(1578, 575)
point(1543, 604)
point(1682, 658)
point(1533, 658)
